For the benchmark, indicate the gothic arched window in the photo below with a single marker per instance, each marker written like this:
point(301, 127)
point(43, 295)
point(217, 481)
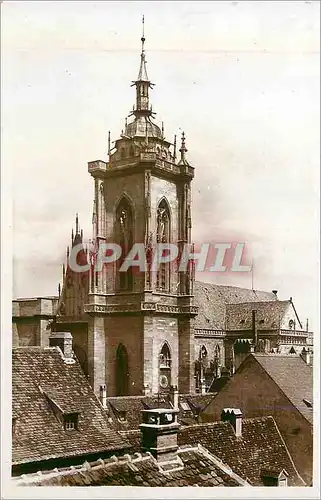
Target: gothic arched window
point(165, 356)
point(165, 362)
point(122, 374)
point(124, 238)
point(163, 236)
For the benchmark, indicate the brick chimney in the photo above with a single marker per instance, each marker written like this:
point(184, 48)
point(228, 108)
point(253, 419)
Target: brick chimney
point(63, 340)
point(103, 395)
point(174, 396)
point(234, 416)
point(305, 355)
point(159, 433)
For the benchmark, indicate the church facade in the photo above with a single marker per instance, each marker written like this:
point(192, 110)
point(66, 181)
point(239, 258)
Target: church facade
point(143, 332)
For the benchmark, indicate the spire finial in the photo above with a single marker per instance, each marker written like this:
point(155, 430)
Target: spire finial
point(183, 148)
point(108, 142)
point(77, 224)
point(143, 35)
point(174, 147)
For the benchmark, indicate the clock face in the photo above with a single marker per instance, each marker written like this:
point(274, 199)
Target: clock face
point(163, 381)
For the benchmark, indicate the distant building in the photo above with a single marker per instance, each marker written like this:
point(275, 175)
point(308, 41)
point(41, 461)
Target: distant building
point(280, 386)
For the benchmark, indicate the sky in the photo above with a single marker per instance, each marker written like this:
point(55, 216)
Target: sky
point(240, 78)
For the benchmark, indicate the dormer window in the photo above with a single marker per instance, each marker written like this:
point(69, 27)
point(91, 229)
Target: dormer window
point(122, 416)
point(274, 478)
point(71, 421)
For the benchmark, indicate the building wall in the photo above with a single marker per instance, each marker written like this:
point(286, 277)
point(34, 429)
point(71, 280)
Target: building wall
point(25, 332)
point(255, 393)
point(157, 330)
point(126, 330)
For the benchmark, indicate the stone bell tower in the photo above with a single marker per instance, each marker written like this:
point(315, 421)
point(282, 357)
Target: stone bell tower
point(140, 333)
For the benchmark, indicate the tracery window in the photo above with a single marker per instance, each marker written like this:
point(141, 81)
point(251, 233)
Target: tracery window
point(163, 236)
point(124, 238)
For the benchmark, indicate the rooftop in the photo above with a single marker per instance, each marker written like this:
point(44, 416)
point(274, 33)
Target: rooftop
point(293, 376)
point(195, 466)
point(260, 447)
point(212, 300)
point(45, 390)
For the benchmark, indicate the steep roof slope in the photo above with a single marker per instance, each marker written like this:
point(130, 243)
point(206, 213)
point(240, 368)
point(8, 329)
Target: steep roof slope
point(269, 314)
point(260, 447)
point(45, 386)
point(293, 376)
point(194, 467)
point(212, 299)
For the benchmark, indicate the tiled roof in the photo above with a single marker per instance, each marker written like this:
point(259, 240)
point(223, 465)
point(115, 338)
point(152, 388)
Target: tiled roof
point(43, 381)
point(130, 407)
point(261, 446)
point(293, 376)
point(194, 467)
point(269, 315)
point(212, 299)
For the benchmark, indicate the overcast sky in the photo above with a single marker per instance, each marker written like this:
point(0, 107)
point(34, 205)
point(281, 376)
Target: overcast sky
point(242, 80)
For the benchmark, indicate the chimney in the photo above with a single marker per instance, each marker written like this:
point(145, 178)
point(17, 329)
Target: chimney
point(203, 386)
point(103, 395)
point(275, 293)
point(63, 340)
point(234, 416)
point(174, 396)
point(254, 329)
point(305, 355)
point(159, 433)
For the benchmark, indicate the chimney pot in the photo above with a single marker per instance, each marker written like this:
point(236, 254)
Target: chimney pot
point(103, 395)
point(275, 292)
point(63, 340)
point(234, 416)
point(174, 396)
point(159, 433)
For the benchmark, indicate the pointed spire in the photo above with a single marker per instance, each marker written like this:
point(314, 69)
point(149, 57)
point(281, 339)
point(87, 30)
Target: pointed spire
point(163, 129)
point(63, 270)
point(142, 75)
point(72, 235)
point(174, 147)
point(81, 235)
point(67, 252)
point(183, 149)
point(77, 224)
point(108, 142)
point(59, 289)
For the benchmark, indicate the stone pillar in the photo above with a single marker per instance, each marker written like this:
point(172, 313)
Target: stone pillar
point(185, 356)
point(96, 352)
point(150, 382)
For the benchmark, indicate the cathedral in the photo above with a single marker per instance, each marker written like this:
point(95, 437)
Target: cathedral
point(141, 333)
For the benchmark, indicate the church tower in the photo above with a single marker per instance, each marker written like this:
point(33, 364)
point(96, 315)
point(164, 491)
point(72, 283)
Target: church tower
point(140, 327)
